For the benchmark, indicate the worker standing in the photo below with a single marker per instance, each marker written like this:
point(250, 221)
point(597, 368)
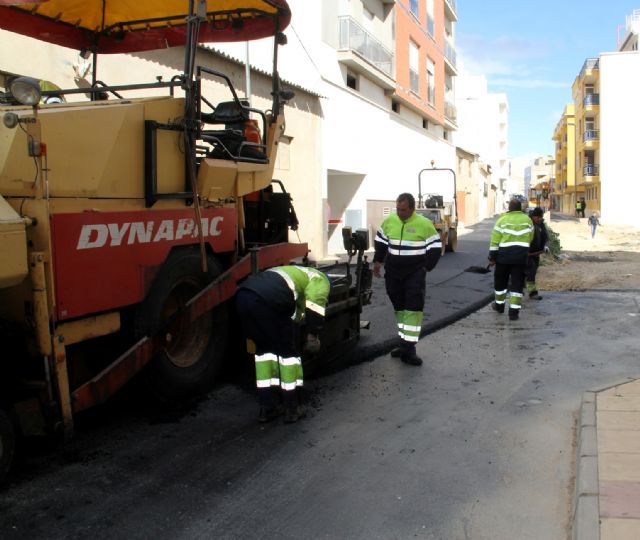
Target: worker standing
point(271, 306)
point(537, 247)
point(508, 252)
point(409, 246)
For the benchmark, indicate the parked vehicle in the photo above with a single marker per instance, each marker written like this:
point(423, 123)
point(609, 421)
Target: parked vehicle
point(443, 214)
point(127, 223)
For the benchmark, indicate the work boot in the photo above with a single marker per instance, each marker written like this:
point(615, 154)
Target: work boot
point(267, 414)
point(293, 414)
point(497, 307)
point(534, 295)
point(513, 314)
point(396, 353)
point(410, 357)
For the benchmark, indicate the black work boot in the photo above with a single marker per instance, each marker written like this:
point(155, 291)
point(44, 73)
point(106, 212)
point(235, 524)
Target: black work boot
point(497, 307)
point(293, 411)
point(534, 295)
point(513, 314)
point(396, 353)
point(267, 414)
point(410, 357)
point(270, 407)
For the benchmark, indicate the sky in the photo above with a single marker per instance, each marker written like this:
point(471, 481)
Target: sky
point(533, 51)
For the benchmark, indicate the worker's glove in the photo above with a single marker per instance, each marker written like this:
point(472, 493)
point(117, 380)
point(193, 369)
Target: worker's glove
point(312, 344)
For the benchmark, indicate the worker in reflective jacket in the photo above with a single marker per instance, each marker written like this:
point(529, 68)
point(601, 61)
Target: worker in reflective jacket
point(271, 305)
point(409, 246)
point(508, 252)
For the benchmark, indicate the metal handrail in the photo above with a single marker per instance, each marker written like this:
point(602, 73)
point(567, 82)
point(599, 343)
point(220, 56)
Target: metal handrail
point(591, 134)
point(591, 99)
point(591, 170)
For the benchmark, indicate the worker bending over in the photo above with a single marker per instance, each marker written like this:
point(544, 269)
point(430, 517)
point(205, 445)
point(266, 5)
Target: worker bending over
point(271, 306)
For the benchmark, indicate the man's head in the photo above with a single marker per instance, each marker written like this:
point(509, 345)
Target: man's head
point(515, 205)
point(537, 214)
point(405, 205)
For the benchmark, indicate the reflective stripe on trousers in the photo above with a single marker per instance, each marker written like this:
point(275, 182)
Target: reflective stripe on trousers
point(273, 370)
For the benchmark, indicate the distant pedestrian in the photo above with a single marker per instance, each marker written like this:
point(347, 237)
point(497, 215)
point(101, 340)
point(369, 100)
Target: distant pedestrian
point(409, 246)
point(593, 223)
point(508, 252)
point(583, 206)
point(536, 248)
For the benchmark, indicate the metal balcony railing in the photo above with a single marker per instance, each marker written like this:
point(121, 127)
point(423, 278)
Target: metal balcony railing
point(450, 53)
point(355, 38)
point(591, 170)
point(591, 99)
point(591, 135)
point(590, 63)
point(450, 111)
point(452, 5)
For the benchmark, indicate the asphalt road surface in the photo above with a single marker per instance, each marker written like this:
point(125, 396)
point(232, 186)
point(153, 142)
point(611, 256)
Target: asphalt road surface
point(477, 444)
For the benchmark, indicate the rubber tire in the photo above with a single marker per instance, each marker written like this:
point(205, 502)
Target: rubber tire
point(445, 242)
point(179, 279)
point(452, 242)
point(7, 444)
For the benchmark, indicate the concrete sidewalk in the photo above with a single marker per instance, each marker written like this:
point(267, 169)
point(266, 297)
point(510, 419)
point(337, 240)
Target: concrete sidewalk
point(608, 480)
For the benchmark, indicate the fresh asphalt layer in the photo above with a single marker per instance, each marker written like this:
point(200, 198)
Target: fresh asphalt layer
point(479, 443)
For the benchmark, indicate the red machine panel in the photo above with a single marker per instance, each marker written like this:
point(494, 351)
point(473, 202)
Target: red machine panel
point(106, 260)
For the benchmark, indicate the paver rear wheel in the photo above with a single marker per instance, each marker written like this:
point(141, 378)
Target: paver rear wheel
point(7, 444)
point(192, 353)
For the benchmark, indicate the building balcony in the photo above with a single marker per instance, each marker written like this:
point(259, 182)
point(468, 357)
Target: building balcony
point(450, 112)
point(450, 57)
point(450, 10)
point(591, 99)
point(591, 138)
point(590, 171)
point(590, 69)
point(365, 54)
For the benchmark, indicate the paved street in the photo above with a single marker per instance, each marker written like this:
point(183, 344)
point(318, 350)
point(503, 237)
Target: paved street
point(477, 444)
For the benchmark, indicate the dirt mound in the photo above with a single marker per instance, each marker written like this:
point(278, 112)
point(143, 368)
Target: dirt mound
point(610, 260)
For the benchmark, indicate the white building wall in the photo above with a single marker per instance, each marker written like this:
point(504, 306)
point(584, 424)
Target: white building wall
point(483, 129)
point(619, 121)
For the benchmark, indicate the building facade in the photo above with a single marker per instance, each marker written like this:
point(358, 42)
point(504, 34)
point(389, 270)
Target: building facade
point(484, 129)
point(606, 118)
point(566, 192)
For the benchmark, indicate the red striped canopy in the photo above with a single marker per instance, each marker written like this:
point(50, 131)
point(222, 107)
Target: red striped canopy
point(120, 26)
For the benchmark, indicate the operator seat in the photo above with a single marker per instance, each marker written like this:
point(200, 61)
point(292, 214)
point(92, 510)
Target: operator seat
point(240, 139)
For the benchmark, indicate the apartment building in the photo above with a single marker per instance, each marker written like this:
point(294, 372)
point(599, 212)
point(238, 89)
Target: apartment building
point(566, 191)
point(483, 129)
point(385, 71)
point(607, 114)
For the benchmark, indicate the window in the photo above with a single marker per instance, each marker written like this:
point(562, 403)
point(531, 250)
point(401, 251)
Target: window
point(395, 106)
point(414, 69)
point(431, 82)
point(425, 123)
point(352, 81)
point(414, 7)
point(430, 20)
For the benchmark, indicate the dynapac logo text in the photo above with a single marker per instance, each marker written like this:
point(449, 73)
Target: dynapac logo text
point(145, 232)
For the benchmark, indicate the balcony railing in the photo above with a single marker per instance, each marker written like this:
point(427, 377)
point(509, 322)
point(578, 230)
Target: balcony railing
point(450, 53)
point(450, 111)
point(591, 135)
point(591, 99)
point(355, 38)
point(590, 63)
point(591, 170)
point(452, 5)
